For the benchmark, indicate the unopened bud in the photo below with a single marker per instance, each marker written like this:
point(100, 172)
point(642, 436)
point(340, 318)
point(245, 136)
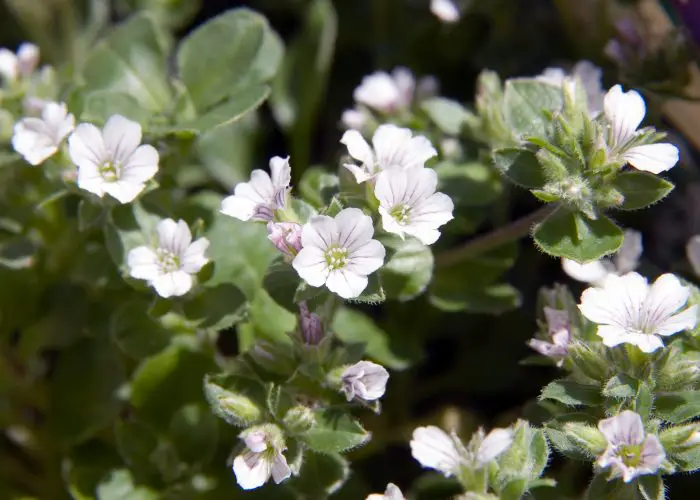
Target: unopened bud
point(234, 407)
point(311, 325)
point(590, 360)
point(286, 236)
point(27, 58)
point(273, 359)
point(586, 437)
point(680, 371)
point(299, 419)
point(680, 437)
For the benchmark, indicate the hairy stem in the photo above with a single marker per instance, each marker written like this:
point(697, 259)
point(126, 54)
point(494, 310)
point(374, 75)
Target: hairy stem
point(500, 236)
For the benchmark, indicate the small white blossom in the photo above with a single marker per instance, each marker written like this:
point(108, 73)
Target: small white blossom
point(433, 448)
point(355, 119)
point(170, 265)
point(364, 380)
point(21, 64)
point(624, 261)
point(112, 160)
point(37, 139)
point(624, 112)
point(590, 77)
point(392, 493)
point(494, 444)
point(558, 330)
point(259, 198)
point(630, 452)
point(339, 252)
point(409, 204)
point(445, 10)
point(261, 460)
point(629, 310)
point(386, 92)
point(392, 146)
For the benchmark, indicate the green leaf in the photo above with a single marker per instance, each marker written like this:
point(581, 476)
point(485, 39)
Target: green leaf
point(450, 116)
point(300, 86)
point(574, 236)
point(353, 327)
point(492, 299)
point(83, 390)
point(321, 475)
point(318, 187)
point(86, 466)
point(119, 485)
point(526, 102)
point(641, 189)
point(469, 184)
point(678, 407)
point(520, 166)
point(135, 332)
point(136, 443)
point(651, 487)
point(213, 70)
point(131, 226)
point(241, 253)
point(218, 307)
point(408, 269)
point(602, 488)
point(132, 60)
point(238, 105)
point(17, 252)
point(236, 399)
point(89, 214)
point(335, 432)
point(563, 443)
point(271, 320)
point(572, 393)
point(194, 433)
point(621, 386)
point(167, 381)
point(527, 457)
point(101, 104)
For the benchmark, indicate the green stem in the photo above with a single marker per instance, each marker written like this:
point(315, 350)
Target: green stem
point(496, 238)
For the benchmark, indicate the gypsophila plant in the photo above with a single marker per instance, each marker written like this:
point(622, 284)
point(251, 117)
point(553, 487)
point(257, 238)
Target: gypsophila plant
point(219, 282)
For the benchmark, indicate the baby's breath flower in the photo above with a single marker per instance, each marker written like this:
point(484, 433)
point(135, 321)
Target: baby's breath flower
point(37, 139)
point(630, 452)
point(339, 252)
point(365, 381)
point(170, 265)
point(433, 448)
point(112, 160)
point(22, 64)
point(261, 459)
point(629, 310)
point(392, 493)
point(259, 198)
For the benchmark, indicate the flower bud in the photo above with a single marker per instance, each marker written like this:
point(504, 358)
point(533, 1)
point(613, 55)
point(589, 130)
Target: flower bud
point(272, 358)
point(234, 407)
point(286, 236)
point(27, 58)
point(311, 325)
point(364, 380)
point(679, 371)
point(590, 360)
point(680, 437)
point(586, 436)
point(299, 419)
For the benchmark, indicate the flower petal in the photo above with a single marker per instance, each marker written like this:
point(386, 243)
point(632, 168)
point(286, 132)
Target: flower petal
point(494, 444)
point(141, 166)
point(685, 320)
point(280, 469)
point(358, 147)
point(591, 272)
point(173, 284)
point(143, 263)
point(320, 232)
point(194, 258)
point(654, 158)
point(625, 111)
point(121, 138)
point(355, 228)
point(310, 263)
point(123, 191)
point(618, 303)
point(251, 470)
point(366, 259)
point(346, 283)
point(433, 448)
point(665, 297)
point(86, 147)
point(623, 429)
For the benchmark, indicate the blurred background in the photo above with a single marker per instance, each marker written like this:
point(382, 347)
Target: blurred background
point(469, 370)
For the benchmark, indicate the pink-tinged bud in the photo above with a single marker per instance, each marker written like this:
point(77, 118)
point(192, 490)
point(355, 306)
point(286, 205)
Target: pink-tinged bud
point(311, 325)
point(286, 236)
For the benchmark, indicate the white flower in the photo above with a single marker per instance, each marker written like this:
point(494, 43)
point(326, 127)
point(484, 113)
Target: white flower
point(391, 147)
point(354, 119)
point(558, 330)
point(261, 460)
point(590, 77)
point(112, 161)
point(21, 64)
point(170, 265)
point(392, 493)
point(629, 452)
point(445, 10)
point(494, 444)
point(433, 448)
point(629, 310)
point(36, 139)
point(259, 198)
point(625, 260)
point(624, 112)
point(386, 93)
point(409, 204)
point(339, 252)
point(364, 380)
